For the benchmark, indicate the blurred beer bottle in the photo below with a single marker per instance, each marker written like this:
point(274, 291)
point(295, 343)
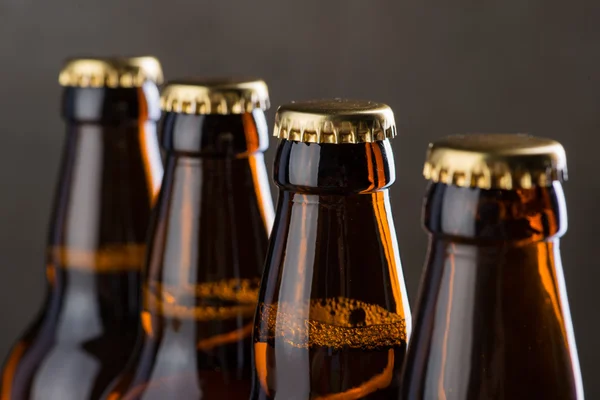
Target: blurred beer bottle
point(110, 172)
point(207, 247)
point(333, 317)
point(492, 320)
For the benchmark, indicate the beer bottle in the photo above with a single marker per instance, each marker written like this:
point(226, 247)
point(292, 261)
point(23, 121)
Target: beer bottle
point(207, 246)
point(492, 319)
point(333, 317)
point(109, 175)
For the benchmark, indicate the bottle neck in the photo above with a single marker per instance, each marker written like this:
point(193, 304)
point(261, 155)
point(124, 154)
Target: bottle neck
point(334, 246)
point(487, 237)
point(492, 317)
point(207, 245)
point(108, 180)
point(209, 238)
point(109, 175)
point(496, 313)
point(334, 239)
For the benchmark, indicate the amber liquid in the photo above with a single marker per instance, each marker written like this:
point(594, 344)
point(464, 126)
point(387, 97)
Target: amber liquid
point(492, 319)
point(344, 350)
point(333, 319)
point(109, 175)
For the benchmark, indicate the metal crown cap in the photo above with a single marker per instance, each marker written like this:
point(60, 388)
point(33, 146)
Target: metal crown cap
point(112, 72)
point(215, 96)
point(335, 121)
point(495, 161)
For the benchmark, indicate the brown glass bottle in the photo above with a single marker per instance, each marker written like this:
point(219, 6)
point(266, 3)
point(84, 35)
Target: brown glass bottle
point(109, 175)
point(207, 246)
point(333, 317)
point(492, 319)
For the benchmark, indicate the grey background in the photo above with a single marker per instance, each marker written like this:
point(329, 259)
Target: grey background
point(444, 67)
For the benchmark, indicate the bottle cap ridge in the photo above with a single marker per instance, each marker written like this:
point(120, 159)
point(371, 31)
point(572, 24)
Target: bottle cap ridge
point(335, 121)
point(495, 161)
point(215, 96)
point(112, 72)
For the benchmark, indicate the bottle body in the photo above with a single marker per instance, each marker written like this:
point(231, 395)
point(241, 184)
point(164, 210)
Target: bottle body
point(109, 176)
point(207, 248)
point(333, 318)
point(492, 319)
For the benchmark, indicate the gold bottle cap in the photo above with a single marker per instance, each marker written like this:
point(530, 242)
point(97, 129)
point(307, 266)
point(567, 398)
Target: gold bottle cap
point(498, 161)
point(112, 72)
point(335, 121)
point(215, 96)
